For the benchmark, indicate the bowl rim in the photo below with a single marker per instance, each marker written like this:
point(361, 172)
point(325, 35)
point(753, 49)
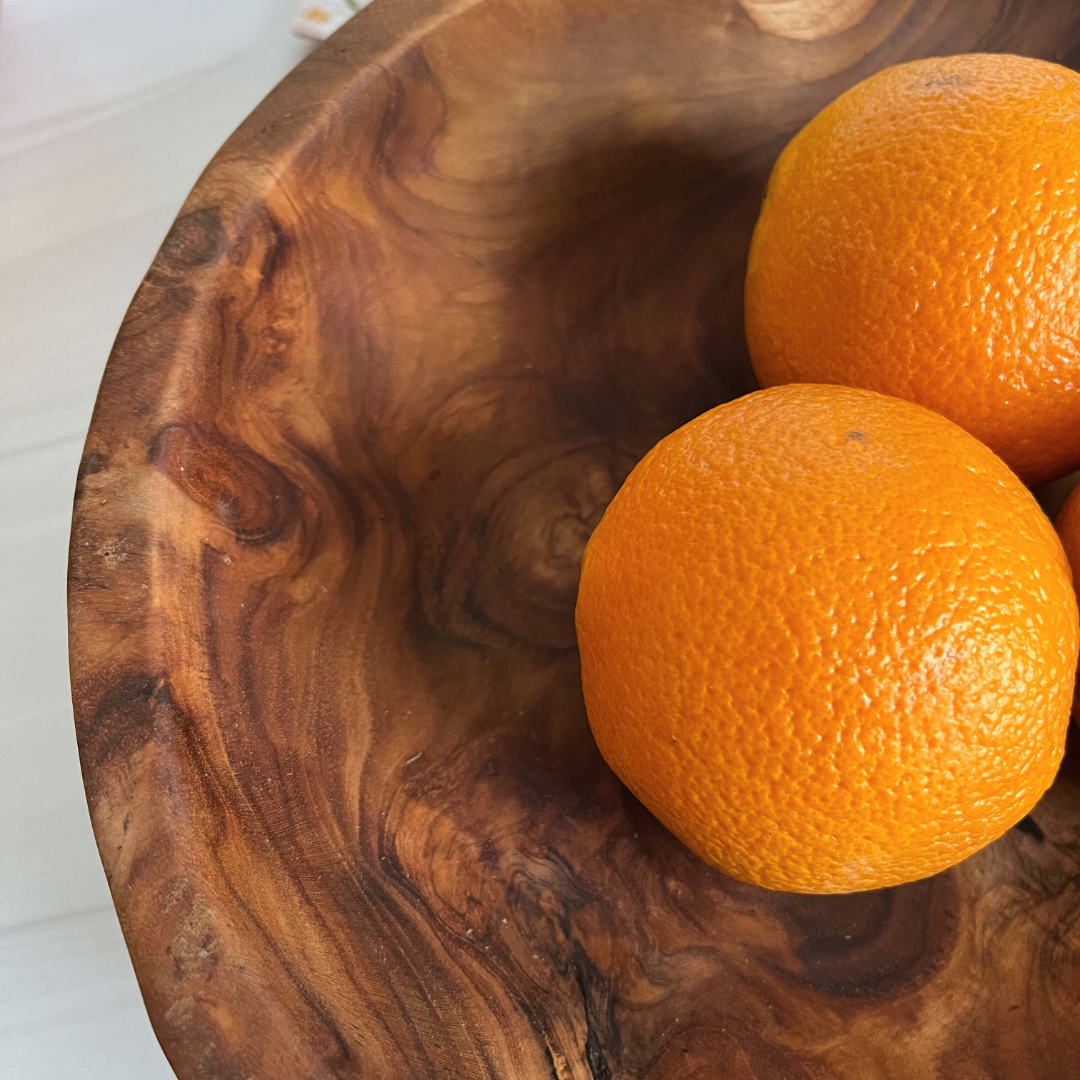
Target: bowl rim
point(109, 594)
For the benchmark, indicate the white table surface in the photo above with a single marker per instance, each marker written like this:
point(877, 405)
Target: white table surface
point(109, 109)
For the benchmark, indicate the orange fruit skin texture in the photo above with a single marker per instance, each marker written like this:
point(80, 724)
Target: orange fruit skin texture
point(828, 639)
point(921, 237)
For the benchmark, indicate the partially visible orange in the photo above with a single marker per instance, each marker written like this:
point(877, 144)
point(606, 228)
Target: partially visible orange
point(921, 237)
point(1067, 524)
point(828, 638)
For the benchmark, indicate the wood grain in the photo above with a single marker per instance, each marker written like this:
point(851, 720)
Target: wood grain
point(412, 328)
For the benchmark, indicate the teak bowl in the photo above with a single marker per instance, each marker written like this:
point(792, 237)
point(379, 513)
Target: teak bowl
point(412, 328)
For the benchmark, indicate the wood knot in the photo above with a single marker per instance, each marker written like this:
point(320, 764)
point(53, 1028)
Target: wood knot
point(123, 721)
point(196, 239)
point(90, 465)
point(873, 944)
point(240, 488)
point(515, 565)
point(696, 1047)
point(806, 20)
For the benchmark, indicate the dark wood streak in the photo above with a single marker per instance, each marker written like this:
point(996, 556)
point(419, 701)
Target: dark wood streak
point(412, 328)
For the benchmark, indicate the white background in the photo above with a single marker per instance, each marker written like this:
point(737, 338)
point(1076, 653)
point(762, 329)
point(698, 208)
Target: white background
point(109, 109)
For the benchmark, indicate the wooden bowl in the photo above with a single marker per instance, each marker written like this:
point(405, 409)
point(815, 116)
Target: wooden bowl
point(409, 333)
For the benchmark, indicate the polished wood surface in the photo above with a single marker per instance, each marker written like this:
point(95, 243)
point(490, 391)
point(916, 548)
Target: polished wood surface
point(414, 325)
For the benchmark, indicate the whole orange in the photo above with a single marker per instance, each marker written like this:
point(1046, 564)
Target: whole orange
point(921, 237)
point(828, 638)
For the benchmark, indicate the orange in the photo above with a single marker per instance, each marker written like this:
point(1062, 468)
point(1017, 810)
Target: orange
point(1068, 528)
point(828, 639)
point(1067, 525)
point(921, 237)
